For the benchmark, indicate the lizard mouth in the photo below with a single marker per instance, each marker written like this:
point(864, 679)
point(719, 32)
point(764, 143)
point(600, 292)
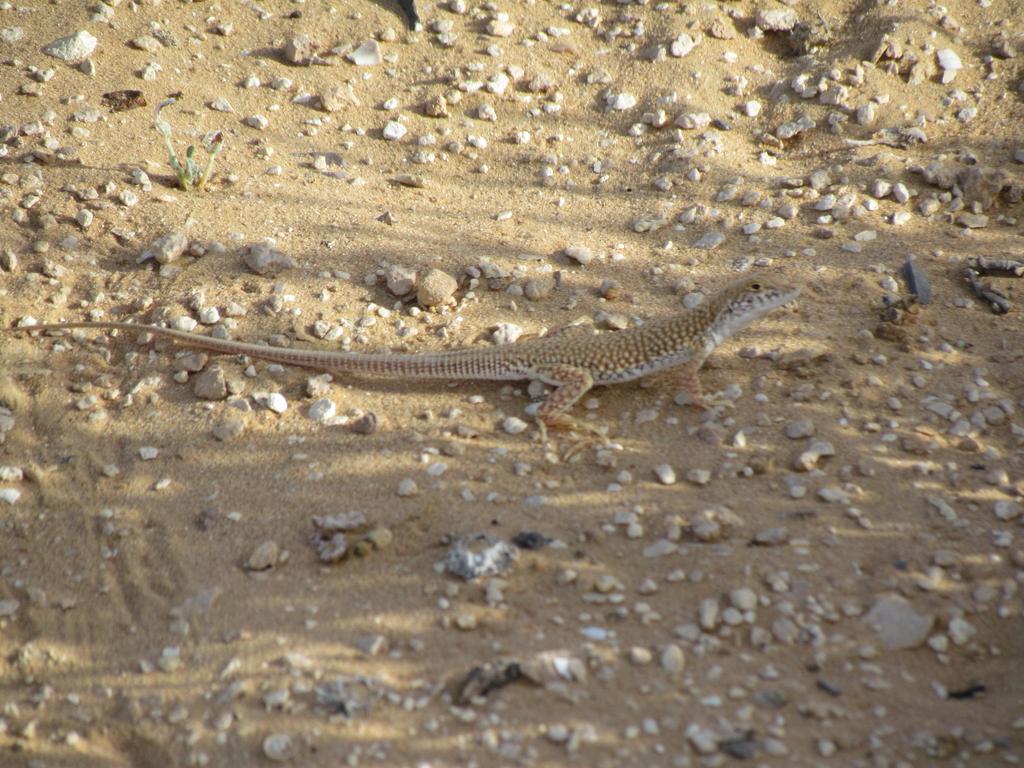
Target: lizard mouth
point(789, 294)
point(781, 296)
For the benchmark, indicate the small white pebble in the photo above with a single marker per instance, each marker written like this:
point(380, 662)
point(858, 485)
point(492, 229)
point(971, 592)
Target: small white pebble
point(276, 402)
point(322, 410)
point(665, 474)
point(394, 131)
point(209, 316)
point(259, 122)
point(673, 659)
point(514, 425)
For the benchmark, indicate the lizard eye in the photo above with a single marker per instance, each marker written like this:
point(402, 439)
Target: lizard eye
point(755, 286)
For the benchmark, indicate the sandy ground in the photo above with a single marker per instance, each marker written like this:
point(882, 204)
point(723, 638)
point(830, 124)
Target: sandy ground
point(160, 601)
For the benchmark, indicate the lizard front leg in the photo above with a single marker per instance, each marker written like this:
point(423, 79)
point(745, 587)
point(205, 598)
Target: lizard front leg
point(691, 386)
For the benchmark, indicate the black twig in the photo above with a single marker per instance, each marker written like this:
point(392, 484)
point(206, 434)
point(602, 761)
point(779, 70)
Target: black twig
point(997, 301)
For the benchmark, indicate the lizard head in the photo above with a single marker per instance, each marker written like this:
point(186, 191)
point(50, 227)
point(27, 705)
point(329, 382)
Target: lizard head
point(746, 300)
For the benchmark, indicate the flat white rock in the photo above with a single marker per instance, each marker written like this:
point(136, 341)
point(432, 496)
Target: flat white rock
point(709, 241)
point(73, 48)
point(621, 101)
point(322, 410)
point(500, 27)
point(366, 55)
point(11, 474)
point(11, 35)
point(777, 19)
point(274, 401)
point(948, 59)
point(896, 622)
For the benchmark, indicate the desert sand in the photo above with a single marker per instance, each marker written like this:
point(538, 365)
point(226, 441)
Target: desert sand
point(828, 573)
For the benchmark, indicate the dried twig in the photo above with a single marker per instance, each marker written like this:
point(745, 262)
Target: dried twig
point(997, 267)
point(997, 301)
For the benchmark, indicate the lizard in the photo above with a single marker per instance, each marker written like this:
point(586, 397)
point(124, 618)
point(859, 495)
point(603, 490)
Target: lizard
point(571, 360)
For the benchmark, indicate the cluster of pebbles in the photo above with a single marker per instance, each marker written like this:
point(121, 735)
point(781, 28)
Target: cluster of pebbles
point(676, 624)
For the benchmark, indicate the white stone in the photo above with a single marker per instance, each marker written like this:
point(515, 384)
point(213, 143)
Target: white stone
point(949, 63)
point(500, 27)
point(897, 623)
point(150, 71)
point(9, 495)
point(276, 402)
point(394, 130)
point(166, 248)
point(209, 315)
point(278, 747)
point(263, 259)
point(708, 613)
point(366, 55)
point(961, 631)
point(948, 59)
point(1007, 510)
point(506, 333)
point(709, 241)
point(322, 410)
point(743, 599)
point(673, 659)
point(777, 19)
point(8, 608)
point(11, 35)
point(665, 474)
point(514, 425)
point(498, 84)
point(621, 101)
point(694, 121)
point(703, 740)
point(867, 113)
point(681, 46)
point(581, 254)
point(557, 733)
point(73, 48)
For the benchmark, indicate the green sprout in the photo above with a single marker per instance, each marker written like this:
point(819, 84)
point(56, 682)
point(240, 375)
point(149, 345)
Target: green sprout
point(189, 175)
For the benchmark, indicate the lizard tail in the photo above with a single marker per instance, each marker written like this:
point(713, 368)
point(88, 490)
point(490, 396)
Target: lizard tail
point(453, 364)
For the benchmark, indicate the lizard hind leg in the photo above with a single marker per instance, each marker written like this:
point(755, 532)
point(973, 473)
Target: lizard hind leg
point(570, 383)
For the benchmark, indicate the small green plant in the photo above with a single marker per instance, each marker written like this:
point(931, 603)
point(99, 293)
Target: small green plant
point(189, 175)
